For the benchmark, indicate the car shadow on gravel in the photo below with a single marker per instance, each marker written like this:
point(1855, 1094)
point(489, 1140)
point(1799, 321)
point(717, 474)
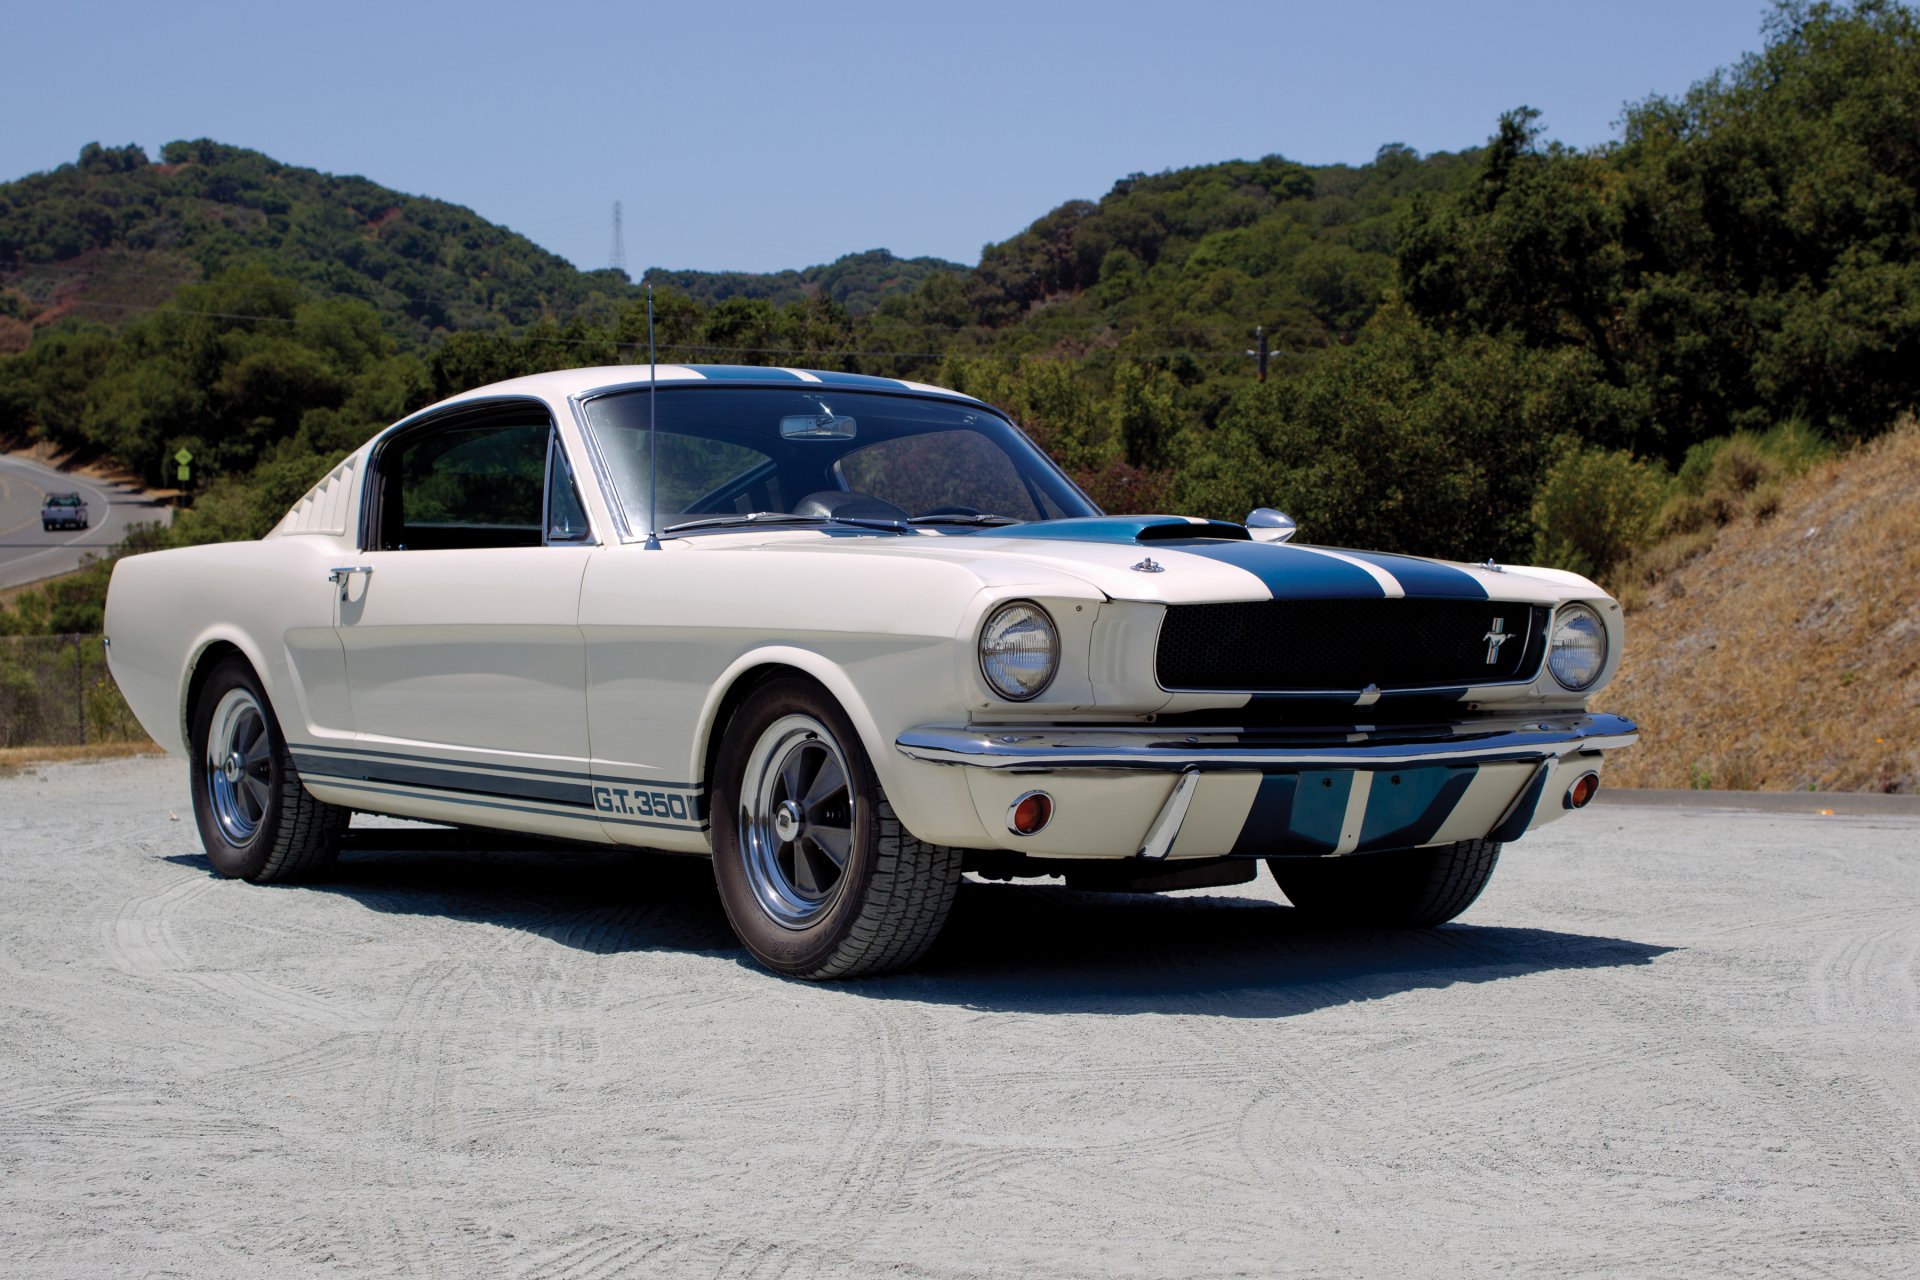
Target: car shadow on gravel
point(604, 901)
point(1031, 948)
point(1047, 949)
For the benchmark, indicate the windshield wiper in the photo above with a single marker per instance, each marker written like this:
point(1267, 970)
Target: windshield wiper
point(978, 517)
point(785, 517)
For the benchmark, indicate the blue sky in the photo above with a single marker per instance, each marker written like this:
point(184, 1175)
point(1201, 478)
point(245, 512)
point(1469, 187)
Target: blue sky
point(758, 136)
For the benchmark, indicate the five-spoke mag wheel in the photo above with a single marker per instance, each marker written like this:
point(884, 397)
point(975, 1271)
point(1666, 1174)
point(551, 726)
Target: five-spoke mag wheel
point(797, 813)
point(256, 820)
point(239, 777)
point(818, 876)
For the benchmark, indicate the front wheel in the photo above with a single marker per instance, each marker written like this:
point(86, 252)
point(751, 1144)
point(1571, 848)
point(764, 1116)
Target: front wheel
point(256, 820)
point(1399, 889)
point(818, 877)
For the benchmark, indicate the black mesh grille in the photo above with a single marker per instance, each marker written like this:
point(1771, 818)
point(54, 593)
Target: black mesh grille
point(1305, 645)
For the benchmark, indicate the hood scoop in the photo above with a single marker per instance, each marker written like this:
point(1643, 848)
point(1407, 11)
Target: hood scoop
point(1128, 529)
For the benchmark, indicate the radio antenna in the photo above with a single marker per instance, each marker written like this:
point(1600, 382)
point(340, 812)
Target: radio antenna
point(653, 435)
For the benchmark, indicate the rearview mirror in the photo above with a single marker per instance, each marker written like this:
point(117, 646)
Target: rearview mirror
point(1267, 525)
point(817, 426)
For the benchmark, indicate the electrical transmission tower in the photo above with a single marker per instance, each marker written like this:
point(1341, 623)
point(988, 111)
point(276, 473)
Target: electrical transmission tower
point(617, 256)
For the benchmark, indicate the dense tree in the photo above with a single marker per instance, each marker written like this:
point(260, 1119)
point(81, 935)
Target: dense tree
point(1501, 352)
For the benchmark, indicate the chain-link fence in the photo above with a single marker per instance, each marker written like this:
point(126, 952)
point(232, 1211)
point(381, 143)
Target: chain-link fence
point(55, 691)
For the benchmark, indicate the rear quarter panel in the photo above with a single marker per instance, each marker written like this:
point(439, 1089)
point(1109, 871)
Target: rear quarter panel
point(269, 599)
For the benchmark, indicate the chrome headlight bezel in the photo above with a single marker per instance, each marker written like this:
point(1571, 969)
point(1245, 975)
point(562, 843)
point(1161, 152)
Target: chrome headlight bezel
point(998, 624)
point(1571, 614)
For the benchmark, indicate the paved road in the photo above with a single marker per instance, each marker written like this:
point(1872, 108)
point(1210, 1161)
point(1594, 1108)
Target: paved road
point(1666, 1042)
point(29, 553)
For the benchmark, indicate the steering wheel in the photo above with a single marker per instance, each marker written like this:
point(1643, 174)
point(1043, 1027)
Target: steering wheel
point(949, 511)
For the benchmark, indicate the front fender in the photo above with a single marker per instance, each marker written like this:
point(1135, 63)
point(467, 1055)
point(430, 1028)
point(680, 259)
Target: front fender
point(932, 803)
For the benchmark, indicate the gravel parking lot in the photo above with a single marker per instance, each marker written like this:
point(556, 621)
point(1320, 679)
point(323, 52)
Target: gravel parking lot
point(1666, 1040)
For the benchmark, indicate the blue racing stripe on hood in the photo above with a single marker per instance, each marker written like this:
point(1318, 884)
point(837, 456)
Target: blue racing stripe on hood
point(1290, 573)
point(1424, 579)
point(1117, 529)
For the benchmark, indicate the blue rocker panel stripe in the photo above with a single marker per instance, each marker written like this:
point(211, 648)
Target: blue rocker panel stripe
point(601, 798)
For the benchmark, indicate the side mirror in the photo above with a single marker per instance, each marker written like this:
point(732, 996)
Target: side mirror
point(1268, 525)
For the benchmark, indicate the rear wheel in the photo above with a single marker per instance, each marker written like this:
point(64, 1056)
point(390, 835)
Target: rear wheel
point(256, 820)
point(1401, 888)
point(817, 875)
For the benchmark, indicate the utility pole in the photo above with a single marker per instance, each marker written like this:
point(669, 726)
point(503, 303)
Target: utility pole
point(617, 256)
point(1259, 353)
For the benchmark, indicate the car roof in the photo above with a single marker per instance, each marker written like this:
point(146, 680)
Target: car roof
point(573, 382)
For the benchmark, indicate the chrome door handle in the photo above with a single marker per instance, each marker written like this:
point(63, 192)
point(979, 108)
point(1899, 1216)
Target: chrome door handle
point(340, 574)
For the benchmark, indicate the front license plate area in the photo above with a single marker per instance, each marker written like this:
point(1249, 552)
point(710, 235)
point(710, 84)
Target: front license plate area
point(1319, 812)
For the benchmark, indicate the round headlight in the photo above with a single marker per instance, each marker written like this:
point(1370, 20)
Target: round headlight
point(1578, 651)
point(1019, 650)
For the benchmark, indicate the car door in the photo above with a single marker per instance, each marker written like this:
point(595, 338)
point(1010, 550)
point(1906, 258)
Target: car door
point(465, 666)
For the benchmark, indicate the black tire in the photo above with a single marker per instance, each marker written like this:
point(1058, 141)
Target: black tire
point(293, 836)
point(1398, 889)
point(889, 897)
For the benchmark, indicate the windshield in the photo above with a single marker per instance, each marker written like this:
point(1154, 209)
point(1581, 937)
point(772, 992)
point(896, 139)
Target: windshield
point(821, 454)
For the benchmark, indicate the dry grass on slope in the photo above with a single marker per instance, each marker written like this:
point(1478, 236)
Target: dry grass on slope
point(1787, 657)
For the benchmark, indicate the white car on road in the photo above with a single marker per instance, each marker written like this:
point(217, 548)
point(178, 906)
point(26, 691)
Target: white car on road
point(851, 637)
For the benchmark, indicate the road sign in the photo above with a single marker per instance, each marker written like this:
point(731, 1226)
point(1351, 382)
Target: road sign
point(183, 458)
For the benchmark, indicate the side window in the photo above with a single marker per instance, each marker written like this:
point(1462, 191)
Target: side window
point(470, 483)
point(566, 517)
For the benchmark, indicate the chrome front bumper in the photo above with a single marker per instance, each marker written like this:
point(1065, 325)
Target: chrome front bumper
point(1480, 741)
point(1161, 792)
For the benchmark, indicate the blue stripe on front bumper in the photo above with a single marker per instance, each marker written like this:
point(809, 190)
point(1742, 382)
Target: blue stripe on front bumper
point(1411, 805)
point(1301, 813)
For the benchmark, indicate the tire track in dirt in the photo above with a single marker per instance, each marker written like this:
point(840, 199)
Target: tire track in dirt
point(536, 974)
point(145, 940)
point(863, 1176)
point(1866, 980)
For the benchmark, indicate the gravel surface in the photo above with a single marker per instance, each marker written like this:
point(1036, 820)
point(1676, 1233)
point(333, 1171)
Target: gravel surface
point(1665, 1041)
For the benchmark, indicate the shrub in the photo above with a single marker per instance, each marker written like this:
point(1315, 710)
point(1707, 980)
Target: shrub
point(1594, 508)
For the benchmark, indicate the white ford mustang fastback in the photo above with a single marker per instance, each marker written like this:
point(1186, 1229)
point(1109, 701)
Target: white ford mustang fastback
point(851, 637)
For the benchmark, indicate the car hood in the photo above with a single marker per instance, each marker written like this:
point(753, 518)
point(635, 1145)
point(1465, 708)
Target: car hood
point(1184, 560)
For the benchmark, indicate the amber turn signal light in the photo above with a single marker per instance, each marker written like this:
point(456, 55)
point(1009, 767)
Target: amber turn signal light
point(1582, 790)
point(1030, 813)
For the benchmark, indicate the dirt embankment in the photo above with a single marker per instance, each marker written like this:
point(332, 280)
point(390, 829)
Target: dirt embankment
point(1787, 657)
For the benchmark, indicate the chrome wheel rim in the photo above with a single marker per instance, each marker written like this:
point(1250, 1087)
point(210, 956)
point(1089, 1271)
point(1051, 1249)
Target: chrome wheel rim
point(239, 766)
point(797, 815)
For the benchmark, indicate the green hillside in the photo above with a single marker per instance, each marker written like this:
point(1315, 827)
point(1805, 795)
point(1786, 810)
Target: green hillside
point(113, 231)
point(1594, 357)
point(857, 281)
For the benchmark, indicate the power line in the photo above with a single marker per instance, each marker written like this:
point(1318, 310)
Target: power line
point(1223, 333)
point(702, 349)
